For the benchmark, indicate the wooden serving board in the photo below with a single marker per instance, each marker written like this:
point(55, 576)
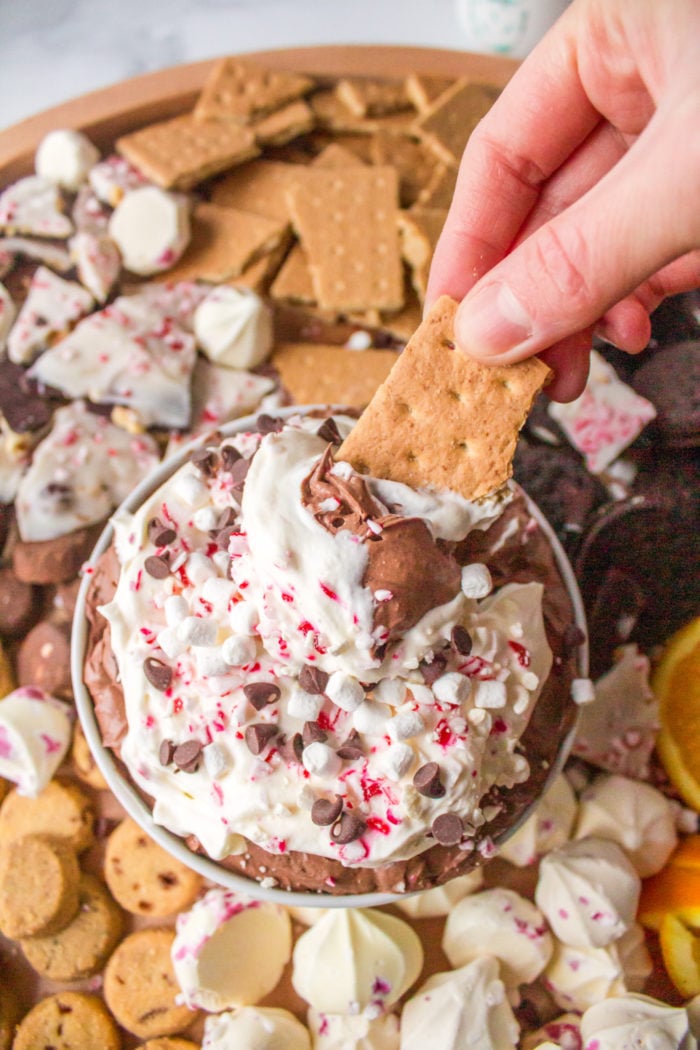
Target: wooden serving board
point(105, 114)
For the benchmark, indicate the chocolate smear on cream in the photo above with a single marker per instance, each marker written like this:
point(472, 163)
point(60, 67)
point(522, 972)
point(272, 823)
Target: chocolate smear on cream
point(395, 546)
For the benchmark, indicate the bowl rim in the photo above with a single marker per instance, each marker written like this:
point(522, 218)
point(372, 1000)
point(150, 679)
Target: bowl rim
point(125, 792)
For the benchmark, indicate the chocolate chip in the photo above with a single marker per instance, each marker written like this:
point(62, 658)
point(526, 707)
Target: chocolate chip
point(351, 748)
point(223, 537)
point(259, 735)
point(312, 733)
point(158, 674)
point(348, 828)
point(325, 812)
point(226, 519)
point(229, 456)
point(313, 680)
point(260, 694)
point(166, 752)
point(266, 424)
point(157, 566)
point(238, 472)
point(328, 431)
point(433, 670)
point(461, 640)
point(291, 748)
point(159, 534)
point(448, 829)
point(205, 460)
point(426, 781)
point(188, 755)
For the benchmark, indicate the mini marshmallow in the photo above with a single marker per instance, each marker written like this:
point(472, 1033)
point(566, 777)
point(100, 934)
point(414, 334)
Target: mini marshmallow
point(171, 643)
point(238, 650)
point(405, 725)
point(205, 518)
point(344, 691)
point(190, 489)
point(197, 631)
point(176, 609)
point(390, 691)
point(151, 228)
point(210, 661)
point(243, 618)
point(217, 761)
point(65, 157)
point(582, 691)
point(234, 327)
point(371, 718)
point(476, 581)
point(321, 759)
point(490, 694)
point(218, 591)
point(397, 760)
point(199, 568)
point(304, 705)
point(452, 688)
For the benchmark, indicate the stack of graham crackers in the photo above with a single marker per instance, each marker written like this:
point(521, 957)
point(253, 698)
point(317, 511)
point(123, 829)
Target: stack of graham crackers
point(328, 197)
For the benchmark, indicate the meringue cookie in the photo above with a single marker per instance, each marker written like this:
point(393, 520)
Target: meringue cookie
point(307, 916)
point(151, 229)
point(563, 1033)
point(546, 829)
point(499, 923)
point(630, 1022)
point(255, 1028)
point(65, 157)
point(233, 327)
point(441, 899)
point(588, 891)
point(342, 1032)
point(355, 959)
point(579, 977)
point(230, 950)
point(35, 731)
point(462, 1008)
point(635, 815)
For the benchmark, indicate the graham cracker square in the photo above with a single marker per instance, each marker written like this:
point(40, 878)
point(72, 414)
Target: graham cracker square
point(335, 155)
point(179, 153)
point(366, 97)
point(440, 189)
point(413, 160)
point(420, 230)
point(424, 90)
point(448, 123)
point(260, 187)
point(441, 418)
point(315, 373)
point(293, 283)
point(225, 241)
point(284, 124)
point(239, 91)
point(347, 223)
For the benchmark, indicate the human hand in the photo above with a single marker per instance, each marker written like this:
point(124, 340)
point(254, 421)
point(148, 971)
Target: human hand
point(577, 206)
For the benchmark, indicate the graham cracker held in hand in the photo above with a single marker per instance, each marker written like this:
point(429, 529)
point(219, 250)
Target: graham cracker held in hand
point(179, 153)
point(441, 419)
point(347, 223)
point(240, 91)
point(449, 122)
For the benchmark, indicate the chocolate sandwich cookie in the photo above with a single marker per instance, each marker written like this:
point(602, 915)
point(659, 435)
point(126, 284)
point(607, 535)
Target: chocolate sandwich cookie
point(671, 380)
point(43, 659)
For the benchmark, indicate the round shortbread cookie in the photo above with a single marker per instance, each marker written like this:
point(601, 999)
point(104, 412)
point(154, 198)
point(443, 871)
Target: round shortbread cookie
point(81, 948)
point(140, 985)
point(145, 879)
point(166, 1043)
point(68, 1021)
point(61, 810)
point(38, 886)
point(84, 765)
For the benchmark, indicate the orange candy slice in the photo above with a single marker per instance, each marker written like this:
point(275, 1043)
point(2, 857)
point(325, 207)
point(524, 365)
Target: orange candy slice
point(680, 948)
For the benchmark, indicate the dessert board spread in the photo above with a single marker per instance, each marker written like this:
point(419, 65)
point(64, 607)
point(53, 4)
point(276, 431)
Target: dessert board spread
point(264, 243)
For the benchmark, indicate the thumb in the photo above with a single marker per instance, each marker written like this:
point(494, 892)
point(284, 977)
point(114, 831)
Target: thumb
point(565, 276)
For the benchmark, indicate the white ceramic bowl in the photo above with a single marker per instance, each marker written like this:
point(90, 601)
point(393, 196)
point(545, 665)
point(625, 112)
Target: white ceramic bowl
point(124, 789)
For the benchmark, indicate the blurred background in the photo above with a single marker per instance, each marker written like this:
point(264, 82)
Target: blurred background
point(53, 50)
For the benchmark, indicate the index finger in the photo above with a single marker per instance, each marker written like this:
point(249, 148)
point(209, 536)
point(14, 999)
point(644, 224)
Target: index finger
point(538, 121)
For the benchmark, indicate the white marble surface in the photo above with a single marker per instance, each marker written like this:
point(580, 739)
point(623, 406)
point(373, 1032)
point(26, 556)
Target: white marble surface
point(53, 50)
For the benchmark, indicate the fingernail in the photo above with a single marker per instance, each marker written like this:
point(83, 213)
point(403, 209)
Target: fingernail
point(492, 323)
